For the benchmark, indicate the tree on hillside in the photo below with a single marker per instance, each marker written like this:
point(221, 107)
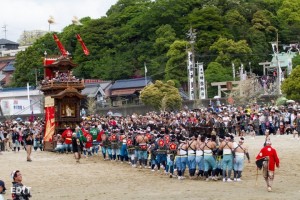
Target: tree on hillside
point(289, 20)
point(236, 24)
point(296, 61)
point(32, 58)
point(165, 36)
point(160, 95)
point(216, 73)
point(176, 68)
point(227, 49)
point(208, 23)
point(291, 86)
point(135, 32)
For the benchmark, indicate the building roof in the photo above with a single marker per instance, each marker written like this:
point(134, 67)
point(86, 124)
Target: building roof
point(130, 83)
point(69, 92)
point(10, 67)
point(91, 90)
point(285, 59)
point(2, 65)
point(18, 92)
point(5, 42)
point(105, 85)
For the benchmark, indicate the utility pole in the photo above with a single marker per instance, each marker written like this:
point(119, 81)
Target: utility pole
point(5, 30)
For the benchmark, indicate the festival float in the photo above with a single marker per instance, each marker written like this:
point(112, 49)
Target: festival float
point(62, 92)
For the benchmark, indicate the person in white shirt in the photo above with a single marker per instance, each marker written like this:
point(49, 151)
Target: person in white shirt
point(226, 119)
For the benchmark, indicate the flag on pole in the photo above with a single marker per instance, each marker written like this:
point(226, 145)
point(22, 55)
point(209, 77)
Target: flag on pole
point(84, 48)
point(145, 68)
point(60, 46)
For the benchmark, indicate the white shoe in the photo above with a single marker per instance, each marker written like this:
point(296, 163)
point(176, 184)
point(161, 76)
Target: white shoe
point(238, 179)
point(224, 180)
point(229, 180)
point(140, 166)
point(269, 189)
point(152, 170)
point(134, 166)
point(179, 178)
point(234, 179)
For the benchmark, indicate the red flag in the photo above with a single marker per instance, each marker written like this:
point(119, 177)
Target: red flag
point(60, 46)
point(84, 48)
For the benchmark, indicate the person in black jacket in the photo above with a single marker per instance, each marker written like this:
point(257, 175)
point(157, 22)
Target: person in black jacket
point(29, 143)
point(15, 140)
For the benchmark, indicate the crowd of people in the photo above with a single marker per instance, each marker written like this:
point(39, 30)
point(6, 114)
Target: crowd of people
point(17, 135)
point(267, 83)
point(209, 142)
point(61, 77)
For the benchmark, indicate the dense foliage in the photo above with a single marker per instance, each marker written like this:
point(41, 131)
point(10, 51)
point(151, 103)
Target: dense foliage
point(291, 87)
point(136, 32)
point(160, 95)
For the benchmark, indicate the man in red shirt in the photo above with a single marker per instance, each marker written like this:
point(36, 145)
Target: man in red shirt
point(67, 136)
point(269, 156)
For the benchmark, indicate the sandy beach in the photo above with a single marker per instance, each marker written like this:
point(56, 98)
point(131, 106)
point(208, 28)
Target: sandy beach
point(57, 176)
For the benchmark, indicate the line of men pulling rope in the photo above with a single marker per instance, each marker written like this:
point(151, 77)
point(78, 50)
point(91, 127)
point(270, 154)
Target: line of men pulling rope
point(213, 158)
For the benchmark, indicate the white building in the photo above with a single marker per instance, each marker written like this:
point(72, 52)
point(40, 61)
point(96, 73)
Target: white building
point(14, 101)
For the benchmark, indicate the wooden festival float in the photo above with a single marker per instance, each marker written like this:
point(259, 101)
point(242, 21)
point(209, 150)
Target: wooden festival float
point(62, 91)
